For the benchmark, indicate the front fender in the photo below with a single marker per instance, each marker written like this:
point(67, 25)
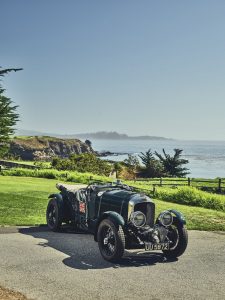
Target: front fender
point(179, 216)
point(117, 218)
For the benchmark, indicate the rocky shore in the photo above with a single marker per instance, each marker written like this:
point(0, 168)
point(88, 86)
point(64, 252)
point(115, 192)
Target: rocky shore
point(44, 148)
point(108, 153)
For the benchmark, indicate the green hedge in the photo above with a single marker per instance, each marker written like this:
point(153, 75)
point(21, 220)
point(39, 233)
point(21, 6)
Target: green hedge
point(191, 196)
point(54, 174)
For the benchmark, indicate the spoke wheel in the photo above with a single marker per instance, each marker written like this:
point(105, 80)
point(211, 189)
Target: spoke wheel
point(111, 240)
point(178, 237)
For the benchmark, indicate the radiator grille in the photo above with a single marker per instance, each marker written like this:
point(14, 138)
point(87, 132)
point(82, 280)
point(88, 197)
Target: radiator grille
point(148, 209)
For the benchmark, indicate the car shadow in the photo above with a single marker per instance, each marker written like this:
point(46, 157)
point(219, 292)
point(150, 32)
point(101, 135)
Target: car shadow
point(83, 252)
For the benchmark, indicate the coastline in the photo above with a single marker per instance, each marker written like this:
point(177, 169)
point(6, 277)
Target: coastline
point(206, 158)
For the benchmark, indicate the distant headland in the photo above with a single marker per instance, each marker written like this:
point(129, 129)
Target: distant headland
point(100, 135)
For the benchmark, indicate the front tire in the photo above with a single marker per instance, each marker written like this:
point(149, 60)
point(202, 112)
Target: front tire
point(178, 235)
point(111, 240)
point(54, 215)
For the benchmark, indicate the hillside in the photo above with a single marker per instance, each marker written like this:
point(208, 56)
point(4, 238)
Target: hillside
point(45, 147)
point(117, 136)
point(100, 135)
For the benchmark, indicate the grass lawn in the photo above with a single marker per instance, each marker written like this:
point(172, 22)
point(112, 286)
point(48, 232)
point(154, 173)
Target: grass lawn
point(23, 201)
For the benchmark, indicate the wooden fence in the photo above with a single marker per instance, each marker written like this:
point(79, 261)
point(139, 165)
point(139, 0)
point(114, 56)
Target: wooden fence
point(150, 184)
point(215, 185)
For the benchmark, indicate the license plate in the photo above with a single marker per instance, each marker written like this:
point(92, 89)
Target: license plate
point(151, 246)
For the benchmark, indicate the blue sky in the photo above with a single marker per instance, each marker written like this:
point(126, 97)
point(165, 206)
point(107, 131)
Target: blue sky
point(136, 67)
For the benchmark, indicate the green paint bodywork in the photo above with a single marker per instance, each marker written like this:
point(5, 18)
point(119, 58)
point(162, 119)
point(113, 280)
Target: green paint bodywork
point(114, 204)
point(118, 201)
point(179, 216)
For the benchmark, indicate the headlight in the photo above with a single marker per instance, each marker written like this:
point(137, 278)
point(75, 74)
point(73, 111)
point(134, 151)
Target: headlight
point(138, 219)
point(166, 218)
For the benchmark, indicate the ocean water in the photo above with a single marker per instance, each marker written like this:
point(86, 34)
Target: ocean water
point(206, 158)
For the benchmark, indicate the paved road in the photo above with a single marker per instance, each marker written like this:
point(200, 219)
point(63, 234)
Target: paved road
point(47, 265)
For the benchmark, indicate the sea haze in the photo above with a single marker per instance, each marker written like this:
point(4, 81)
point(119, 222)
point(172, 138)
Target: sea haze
point(206, 158)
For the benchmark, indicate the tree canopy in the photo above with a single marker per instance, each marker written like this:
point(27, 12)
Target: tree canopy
point(155, 165)
point(173, 165)
point(5, 71)
point(8, 115)
point(152, 167)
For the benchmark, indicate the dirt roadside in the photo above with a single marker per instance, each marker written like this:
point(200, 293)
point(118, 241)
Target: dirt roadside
point(6, 294)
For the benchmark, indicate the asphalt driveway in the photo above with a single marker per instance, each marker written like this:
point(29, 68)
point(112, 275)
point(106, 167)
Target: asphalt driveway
point(67, 265)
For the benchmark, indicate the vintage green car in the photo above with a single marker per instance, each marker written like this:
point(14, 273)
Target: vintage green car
point(119, 218)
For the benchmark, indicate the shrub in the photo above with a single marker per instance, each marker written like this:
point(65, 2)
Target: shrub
point(153, 170)
point(132, 164)
point(86, 162)
point(191, 196)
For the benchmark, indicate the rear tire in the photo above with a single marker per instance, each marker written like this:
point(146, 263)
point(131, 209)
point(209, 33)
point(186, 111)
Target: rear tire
point(111, 240)
point(54, 214)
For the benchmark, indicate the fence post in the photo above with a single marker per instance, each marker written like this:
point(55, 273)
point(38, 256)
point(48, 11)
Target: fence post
point(219, 185)
point(189, 181)
point(160, 181)
point(153, 190)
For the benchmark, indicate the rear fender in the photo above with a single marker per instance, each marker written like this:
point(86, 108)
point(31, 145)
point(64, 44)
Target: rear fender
point(57, 196)
point(117, 218)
